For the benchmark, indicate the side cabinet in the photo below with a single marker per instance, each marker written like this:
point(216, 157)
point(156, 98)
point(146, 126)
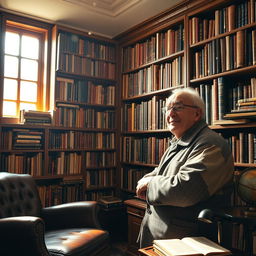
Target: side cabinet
point(135, 212)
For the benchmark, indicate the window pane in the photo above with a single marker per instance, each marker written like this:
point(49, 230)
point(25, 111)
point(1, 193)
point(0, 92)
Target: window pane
point(27, 106)
point(10, 89)
point(29, 69)
point(28, 91)
point(12, 42)
point(11, 66)
point(9, 108)
point(29, 47)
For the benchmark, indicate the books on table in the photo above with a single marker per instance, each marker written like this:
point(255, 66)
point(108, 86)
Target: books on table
point(196, 246)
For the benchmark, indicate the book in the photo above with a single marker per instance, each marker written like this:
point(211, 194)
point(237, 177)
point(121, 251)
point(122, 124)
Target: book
point(240, 48)
point(231, 121)
point(196, 246)
point(110, 201)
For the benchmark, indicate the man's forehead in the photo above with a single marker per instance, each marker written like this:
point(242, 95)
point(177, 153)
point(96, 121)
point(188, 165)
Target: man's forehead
point(180, 98)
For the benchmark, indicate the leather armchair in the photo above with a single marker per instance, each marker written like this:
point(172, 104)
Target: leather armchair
point(28, 229)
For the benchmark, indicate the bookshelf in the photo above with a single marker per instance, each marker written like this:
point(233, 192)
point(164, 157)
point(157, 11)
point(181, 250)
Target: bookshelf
point(217, 58)
point(151, 68)
point(229, 78)
point(85, 104)
point(74, 157)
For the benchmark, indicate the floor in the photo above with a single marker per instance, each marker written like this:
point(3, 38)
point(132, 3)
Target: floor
point(119, 249)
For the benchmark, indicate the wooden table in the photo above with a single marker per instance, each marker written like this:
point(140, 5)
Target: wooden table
point(148, 251)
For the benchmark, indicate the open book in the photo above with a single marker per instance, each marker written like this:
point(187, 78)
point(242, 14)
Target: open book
point(196, 246)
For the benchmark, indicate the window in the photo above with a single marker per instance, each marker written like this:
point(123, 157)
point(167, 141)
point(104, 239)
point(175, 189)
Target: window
point(23, 83)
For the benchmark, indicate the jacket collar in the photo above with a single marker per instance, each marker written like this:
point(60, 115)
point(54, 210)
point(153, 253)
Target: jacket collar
point(190, 134)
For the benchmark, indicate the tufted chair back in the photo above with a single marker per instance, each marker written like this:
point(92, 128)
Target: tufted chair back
point(18, 196)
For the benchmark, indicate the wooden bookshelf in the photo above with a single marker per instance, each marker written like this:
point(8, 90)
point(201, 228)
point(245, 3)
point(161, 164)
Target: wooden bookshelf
point(217, 58)
point(74, 157)
point(85, 103)
point(151, 68)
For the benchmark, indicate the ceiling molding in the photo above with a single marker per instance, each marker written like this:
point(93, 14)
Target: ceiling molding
point(111, 8)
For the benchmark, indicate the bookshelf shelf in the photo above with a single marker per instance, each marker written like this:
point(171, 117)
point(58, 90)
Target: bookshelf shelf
point(140, 164)
point(151, 94)
point(155, 62)
point(203, 42)
point(232, 73)
point(134, 133)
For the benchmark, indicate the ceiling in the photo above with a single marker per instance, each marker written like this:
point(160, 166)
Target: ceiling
point(103, 17)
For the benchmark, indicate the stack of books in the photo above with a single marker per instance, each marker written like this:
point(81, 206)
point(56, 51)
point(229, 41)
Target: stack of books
point(34, 117)
point(26, 138)
point(246, 108)
point(188, 246)
point(110, 201)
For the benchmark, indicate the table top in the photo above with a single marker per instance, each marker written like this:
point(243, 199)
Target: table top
point(148, 251)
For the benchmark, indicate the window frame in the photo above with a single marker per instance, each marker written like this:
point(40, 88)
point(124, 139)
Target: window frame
point(41, 30)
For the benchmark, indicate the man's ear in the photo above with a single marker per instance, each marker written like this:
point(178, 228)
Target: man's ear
point(199, 113)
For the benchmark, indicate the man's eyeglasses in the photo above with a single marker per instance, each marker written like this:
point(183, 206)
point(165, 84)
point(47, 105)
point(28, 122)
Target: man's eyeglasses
point(177, 107)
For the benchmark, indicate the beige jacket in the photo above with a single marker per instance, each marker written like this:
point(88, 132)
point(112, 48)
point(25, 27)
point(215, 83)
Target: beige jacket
point(194, 173)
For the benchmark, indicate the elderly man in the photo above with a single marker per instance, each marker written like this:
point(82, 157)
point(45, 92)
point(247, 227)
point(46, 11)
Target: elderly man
point(194, 173)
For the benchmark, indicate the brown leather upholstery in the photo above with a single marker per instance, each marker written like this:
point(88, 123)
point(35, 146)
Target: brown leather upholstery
point(28, 229)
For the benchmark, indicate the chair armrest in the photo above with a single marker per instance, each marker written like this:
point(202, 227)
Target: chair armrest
point(71, 215)
point(23, 235)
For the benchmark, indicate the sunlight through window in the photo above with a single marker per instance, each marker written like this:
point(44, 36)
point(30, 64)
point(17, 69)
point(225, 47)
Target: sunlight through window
point(9, 108)
point(21, 70)
point(11, 66)
point(29, 47)
point(29, 69)
point(26, 87)
point(10, 92)
point(12, 43)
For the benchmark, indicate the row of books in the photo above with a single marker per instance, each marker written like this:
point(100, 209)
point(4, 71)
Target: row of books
point(79, 65)
point(243, 146)
point(223, 54)
point(58, 140)
point(169, 42)
point(63, 192)
point(214, 96)
point(146, 115)
point(84, 91)
point(32, 163)
point(70, 115)
point(153, 78)
point(99, 178)
point(223, 100)
point(99, 159)
point(64, 163)
point(81, 140)
point(144, 150)
point(159, 45)
point(223, 20)
point(72, 43)
point(130, 177)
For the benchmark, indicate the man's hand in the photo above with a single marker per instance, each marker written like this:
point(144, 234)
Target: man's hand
point(142, 186)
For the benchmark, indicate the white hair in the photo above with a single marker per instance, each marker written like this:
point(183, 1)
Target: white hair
point(192, 94)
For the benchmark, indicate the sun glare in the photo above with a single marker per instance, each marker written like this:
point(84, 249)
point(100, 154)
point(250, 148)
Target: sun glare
point(21, 73)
